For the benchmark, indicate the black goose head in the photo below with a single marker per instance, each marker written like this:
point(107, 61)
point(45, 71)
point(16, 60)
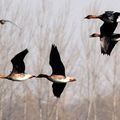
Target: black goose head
point(107, 17)
point(2, 22)
point(110, 17)
point(95, 35)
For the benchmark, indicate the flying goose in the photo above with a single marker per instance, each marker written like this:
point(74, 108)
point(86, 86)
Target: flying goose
point(58, 76)
point(108, 16)
point(107, 37)
point(2, 22)
point(107, 43)
point(110, 19)
point(18, 71)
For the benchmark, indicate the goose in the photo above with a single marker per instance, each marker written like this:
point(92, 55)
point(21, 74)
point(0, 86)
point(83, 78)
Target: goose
point(58, 76)
point(2, 22)
point(18, 71)
point(110, 19)
point(107, 43)
point(107, 16)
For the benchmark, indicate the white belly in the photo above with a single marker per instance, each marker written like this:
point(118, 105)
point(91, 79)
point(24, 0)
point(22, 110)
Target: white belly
point(21, 78)
point(59, 80)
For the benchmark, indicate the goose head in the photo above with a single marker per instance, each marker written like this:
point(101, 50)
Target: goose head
point(2, 22)
point(93, 17)
point(95, 35)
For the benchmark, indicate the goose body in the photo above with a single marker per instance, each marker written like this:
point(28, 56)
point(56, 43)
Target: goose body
point(57, 78)
point(61, 79)
point(20, 77)
point(58, 73)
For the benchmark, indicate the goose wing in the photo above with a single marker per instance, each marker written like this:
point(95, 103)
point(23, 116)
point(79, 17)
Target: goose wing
point(18, 63)
point(111, 46)
point(104, 42)
point(55, 62)
point(58, 88)
point(107, 45)
point(4, 21)
point(107, 29)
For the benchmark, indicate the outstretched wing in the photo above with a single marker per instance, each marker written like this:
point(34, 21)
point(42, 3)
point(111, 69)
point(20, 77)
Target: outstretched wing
point(4, 21)
point(107, 45)
point(104, 42)
point(18, 63)
point(107, 29)
point(58, 88)
point(55, 62)
point(111, 46)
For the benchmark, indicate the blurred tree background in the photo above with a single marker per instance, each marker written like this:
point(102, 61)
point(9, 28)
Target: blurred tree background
point(95, 94)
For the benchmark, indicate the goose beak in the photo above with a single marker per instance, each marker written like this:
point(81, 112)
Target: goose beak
point(91, 35)
point(87, 17)
point(92, 17)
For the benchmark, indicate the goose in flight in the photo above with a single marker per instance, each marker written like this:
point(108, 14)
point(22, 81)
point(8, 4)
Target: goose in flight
point(2, 22)
point(107, 43)
point(107, 37)
point(110, 19)
point(58, 76)
point(18, 71)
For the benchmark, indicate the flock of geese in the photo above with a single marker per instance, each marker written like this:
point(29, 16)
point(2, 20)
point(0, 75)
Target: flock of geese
point(58, 76)
point(108, 40)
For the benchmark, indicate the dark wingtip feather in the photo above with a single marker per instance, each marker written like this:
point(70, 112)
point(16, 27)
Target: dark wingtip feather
point(55, 61)
point(58, 89)
point(54, 46)
point(18, 63)
point(20, 55)
point(26, 50)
